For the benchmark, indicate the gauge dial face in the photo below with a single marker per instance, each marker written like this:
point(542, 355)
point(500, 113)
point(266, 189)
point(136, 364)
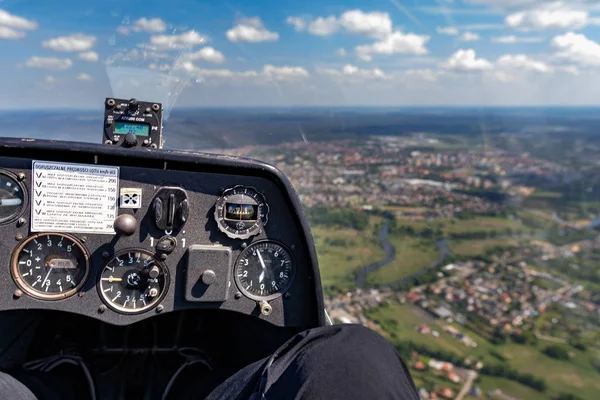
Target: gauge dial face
point(12, 197)
point(133, 281)
point(50, 266)
point(241, 212)
point(265, 270)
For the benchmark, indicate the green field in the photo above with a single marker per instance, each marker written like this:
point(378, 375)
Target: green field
point(455, 226)
point(508, 387)
point(341, 252)
point(412, 255)
point(575, 376)
point(472, 248)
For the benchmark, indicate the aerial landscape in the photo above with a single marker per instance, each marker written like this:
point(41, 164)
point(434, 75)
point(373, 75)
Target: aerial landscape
point(467, 237)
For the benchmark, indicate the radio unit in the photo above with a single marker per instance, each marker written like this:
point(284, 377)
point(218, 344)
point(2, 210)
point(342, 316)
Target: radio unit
point(132, 123)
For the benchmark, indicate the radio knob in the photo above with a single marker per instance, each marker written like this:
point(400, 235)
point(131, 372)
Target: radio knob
point(133, 105)
point(131, 140)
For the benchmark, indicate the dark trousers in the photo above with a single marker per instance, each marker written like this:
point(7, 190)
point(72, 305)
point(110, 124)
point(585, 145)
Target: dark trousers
point(335, 362)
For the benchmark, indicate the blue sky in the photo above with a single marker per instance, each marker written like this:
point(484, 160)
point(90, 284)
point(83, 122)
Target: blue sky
point(309, 52)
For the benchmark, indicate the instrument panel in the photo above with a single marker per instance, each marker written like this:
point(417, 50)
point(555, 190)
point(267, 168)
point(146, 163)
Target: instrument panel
point(125, 234)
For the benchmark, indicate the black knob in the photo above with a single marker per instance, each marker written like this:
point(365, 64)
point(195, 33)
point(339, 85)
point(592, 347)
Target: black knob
point(125, 225)
point(133, 104)
point(130, 139)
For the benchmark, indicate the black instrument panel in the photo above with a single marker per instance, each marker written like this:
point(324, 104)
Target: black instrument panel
point(169, 251)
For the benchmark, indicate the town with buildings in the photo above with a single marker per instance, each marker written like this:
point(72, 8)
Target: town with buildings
point(472, 301)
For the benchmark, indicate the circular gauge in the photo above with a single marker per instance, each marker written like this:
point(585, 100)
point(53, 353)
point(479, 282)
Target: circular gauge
point(133, 281)
point(50, 266)
point(12, 197)
point(265, 270)
point(241, 212)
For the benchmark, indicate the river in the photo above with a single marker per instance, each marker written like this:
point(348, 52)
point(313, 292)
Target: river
point(390, 253)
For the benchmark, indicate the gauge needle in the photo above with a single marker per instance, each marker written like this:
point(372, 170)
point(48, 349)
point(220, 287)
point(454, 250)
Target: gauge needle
point(261, 277)
point(47, 275)
point(262, 262)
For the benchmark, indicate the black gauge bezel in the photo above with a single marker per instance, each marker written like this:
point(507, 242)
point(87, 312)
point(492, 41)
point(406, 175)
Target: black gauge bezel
point(25, 204)
point(14, 268)
point(126, 311)
point(279, 292)
point(256, 228)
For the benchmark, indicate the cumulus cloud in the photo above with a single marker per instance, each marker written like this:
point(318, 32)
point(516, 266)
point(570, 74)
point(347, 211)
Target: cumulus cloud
point(324, 26)
point(448, 30)
point(554, 16)
point(466, 60)
point(395, 43)
point(268, 73)
point(207, 54)
point(13, 21)
point(299, 23)
point(49, 63)
point(512, 39)
point(373, 24)
point(577, 48)
point(9, 33)
point(251, 30)
point(522, 62)
point(468, 37)
point(83, 77)
point(176, 42)
point(149, 25)
point(90, 56)
point(76, 42)
point(353, 71)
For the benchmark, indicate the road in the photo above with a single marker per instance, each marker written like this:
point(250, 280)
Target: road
point(467, 386)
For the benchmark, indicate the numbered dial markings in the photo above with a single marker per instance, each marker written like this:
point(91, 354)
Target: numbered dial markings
point(50, 266)
point(12, 197)
point(264, 270)
point(133, 282)
point(241, 212)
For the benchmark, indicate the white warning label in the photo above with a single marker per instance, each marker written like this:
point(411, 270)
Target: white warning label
point(74, 197)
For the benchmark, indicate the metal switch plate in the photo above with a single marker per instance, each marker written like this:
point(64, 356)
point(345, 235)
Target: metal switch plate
point(214, 261)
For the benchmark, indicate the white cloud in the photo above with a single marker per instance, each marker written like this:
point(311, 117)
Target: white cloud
point(423, 74)
point(268, 73)
point(577, 48)
point(324, 26)
point(9, 33)
point(149, 25)
point(152, 25)
point(299, 23)
point(49, 79)
point(76, 42)
point(395, 43)
point(251, 30)
point(83, 77)
point(522, 62)
point(554, 16)
point(468, 37)
point(90, 56)
point(374, 24)
point(12, 21)
point(512, 39)
point(341, 52)
point(448, 30)
point(466, 60)
point(207, 54)
point(285, 72)
point(353, 71)
point(49, 63)
point(176, 42)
